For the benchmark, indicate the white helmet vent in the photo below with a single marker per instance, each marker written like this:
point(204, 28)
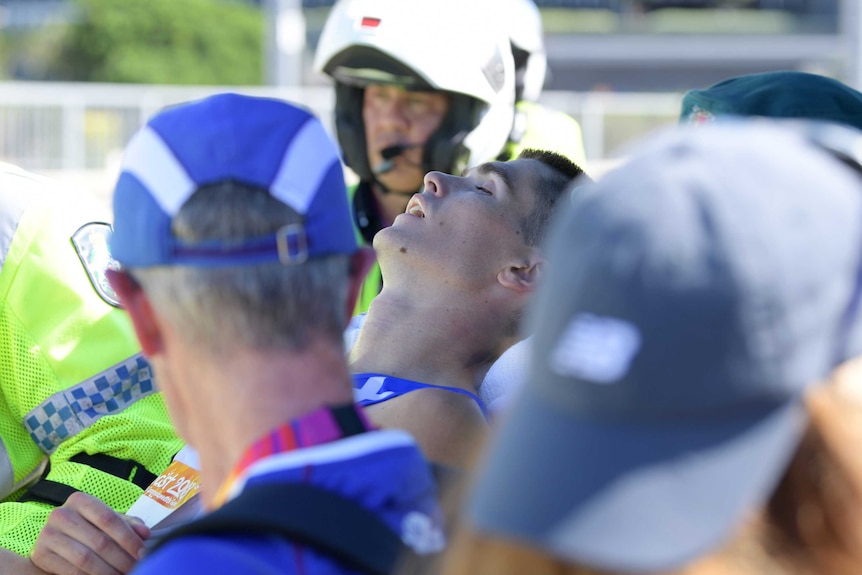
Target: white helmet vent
point(495, 71)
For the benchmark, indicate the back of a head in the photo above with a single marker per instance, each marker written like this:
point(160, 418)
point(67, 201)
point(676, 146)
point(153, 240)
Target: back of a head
point(692, 298)
point(558, 182)
point(460, 48)
point(784, 94)
point(232, 213)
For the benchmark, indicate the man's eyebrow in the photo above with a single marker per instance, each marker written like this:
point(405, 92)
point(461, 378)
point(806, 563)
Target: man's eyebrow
point(497, 170)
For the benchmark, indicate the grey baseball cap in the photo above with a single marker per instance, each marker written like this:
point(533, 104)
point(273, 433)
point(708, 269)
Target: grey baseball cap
point(692, 297)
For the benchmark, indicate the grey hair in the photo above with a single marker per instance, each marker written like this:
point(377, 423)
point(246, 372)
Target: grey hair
point(265, 306)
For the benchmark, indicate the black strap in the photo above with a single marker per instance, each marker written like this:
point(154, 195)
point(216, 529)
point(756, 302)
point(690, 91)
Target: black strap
point(127, 469)
point(332, 524)
point(348, 420)
point(47, 491)
point(54, 493)
point(365, 214)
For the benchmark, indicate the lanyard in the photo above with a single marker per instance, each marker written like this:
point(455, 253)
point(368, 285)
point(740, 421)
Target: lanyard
point(321, 426)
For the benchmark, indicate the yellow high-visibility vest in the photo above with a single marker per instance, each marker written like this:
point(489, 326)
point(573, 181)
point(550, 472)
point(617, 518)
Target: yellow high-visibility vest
point(78, 404)
point(550, 130)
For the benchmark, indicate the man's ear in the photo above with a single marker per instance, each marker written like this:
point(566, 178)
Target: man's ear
point(360, 265)
point(522, 275)
point(138, 306)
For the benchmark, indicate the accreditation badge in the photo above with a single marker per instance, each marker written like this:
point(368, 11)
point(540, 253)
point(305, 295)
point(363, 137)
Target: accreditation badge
point(171, 490)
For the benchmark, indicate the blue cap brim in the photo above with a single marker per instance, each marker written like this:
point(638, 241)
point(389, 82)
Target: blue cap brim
point(629, 497)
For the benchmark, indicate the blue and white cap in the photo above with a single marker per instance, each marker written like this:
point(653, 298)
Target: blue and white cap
point(260, 142)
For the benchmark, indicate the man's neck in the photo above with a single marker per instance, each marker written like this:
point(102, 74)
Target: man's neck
point(437, 342)
point(254, 392)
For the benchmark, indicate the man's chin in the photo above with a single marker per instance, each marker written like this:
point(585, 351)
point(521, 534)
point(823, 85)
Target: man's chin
point(392, 238)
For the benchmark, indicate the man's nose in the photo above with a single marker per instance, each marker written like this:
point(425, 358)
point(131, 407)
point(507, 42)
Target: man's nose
point(436, 183)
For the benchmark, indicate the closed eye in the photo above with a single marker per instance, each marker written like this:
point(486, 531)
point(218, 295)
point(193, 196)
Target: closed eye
point(484, 190)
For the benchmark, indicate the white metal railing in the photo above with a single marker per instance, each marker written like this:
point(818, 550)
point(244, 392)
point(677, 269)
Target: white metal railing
point(79, 126)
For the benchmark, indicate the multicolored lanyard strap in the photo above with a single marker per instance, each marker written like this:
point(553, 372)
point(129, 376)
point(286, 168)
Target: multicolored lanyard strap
point(324, 425)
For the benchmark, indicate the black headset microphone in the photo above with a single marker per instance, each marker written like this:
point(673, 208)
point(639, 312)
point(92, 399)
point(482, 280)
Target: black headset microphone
point(389, 154)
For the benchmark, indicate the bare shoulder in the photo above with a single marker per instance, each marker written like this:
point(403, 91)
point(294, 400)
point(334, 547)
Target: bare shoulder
point(445, 424)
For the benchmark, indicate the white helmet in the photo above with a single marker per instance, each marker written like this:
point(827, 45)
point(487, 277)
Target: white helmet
point(446, 45)
point(524, 24)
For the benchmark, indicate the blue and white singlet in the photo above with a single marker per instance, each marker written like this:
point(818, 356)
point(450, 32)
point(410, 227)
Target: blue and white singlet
point(372, 388)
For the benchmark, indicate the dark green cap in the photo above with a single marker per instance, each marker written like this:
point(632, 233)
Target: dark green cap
point(784, 94)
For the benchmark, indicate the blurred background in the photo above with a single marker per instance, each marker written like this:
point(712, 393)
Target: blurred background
point(78, 77)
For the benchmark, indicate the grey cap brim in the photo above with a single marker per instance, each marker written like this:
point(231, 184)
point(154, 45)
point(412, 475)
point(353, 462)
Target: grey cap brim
point(626, 497)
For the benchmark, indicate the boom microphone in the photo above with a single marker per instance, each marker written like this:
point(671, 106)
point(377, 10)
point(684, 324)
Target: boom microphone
point(389, 153)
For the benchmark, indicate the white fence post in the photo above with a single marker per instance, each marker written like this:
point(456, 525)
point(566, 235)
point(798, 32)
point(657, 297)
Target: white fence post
point(73, 135)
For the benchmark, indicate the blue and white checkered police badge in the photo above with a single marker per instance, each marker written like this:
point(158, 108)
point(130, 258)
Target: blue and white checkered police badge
point(91, 243)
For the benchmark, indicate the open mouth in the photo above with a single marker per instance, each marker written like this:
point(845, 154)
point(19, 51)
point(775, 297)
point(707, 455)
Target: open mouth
point(414, 208)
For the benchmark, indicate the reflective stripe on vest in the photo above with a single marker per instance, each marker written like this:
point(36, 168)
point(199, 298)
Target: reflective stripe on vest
point(12, 205)
point(74, 409)
point(8, 486)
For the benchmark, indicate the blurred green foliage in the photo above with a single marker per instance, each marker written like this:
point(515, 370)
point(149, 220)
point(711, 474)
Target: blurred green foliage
point(26, 53)
point(162, 42)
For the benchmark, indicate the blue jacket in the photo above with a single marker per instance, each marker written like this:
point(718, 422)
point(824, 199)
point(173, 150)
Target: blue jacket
point(382, 470)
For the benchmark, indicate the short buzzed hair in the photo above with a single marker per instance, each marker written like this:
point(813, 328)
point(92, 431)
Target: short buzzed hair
point(262, 306)
point(548, 191)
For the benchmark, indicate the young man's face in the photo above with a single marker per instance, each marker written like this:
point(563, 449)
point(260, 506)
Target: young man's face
point(465, 228)
point(393, 116)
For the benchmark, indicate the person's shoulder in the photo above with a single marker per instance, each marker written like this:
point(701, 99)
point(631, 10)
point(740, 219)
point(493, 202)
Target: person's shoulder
point(217, 555)
point(48, 195)
point(434, 404)
point(447, 404)
point(444, 422)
